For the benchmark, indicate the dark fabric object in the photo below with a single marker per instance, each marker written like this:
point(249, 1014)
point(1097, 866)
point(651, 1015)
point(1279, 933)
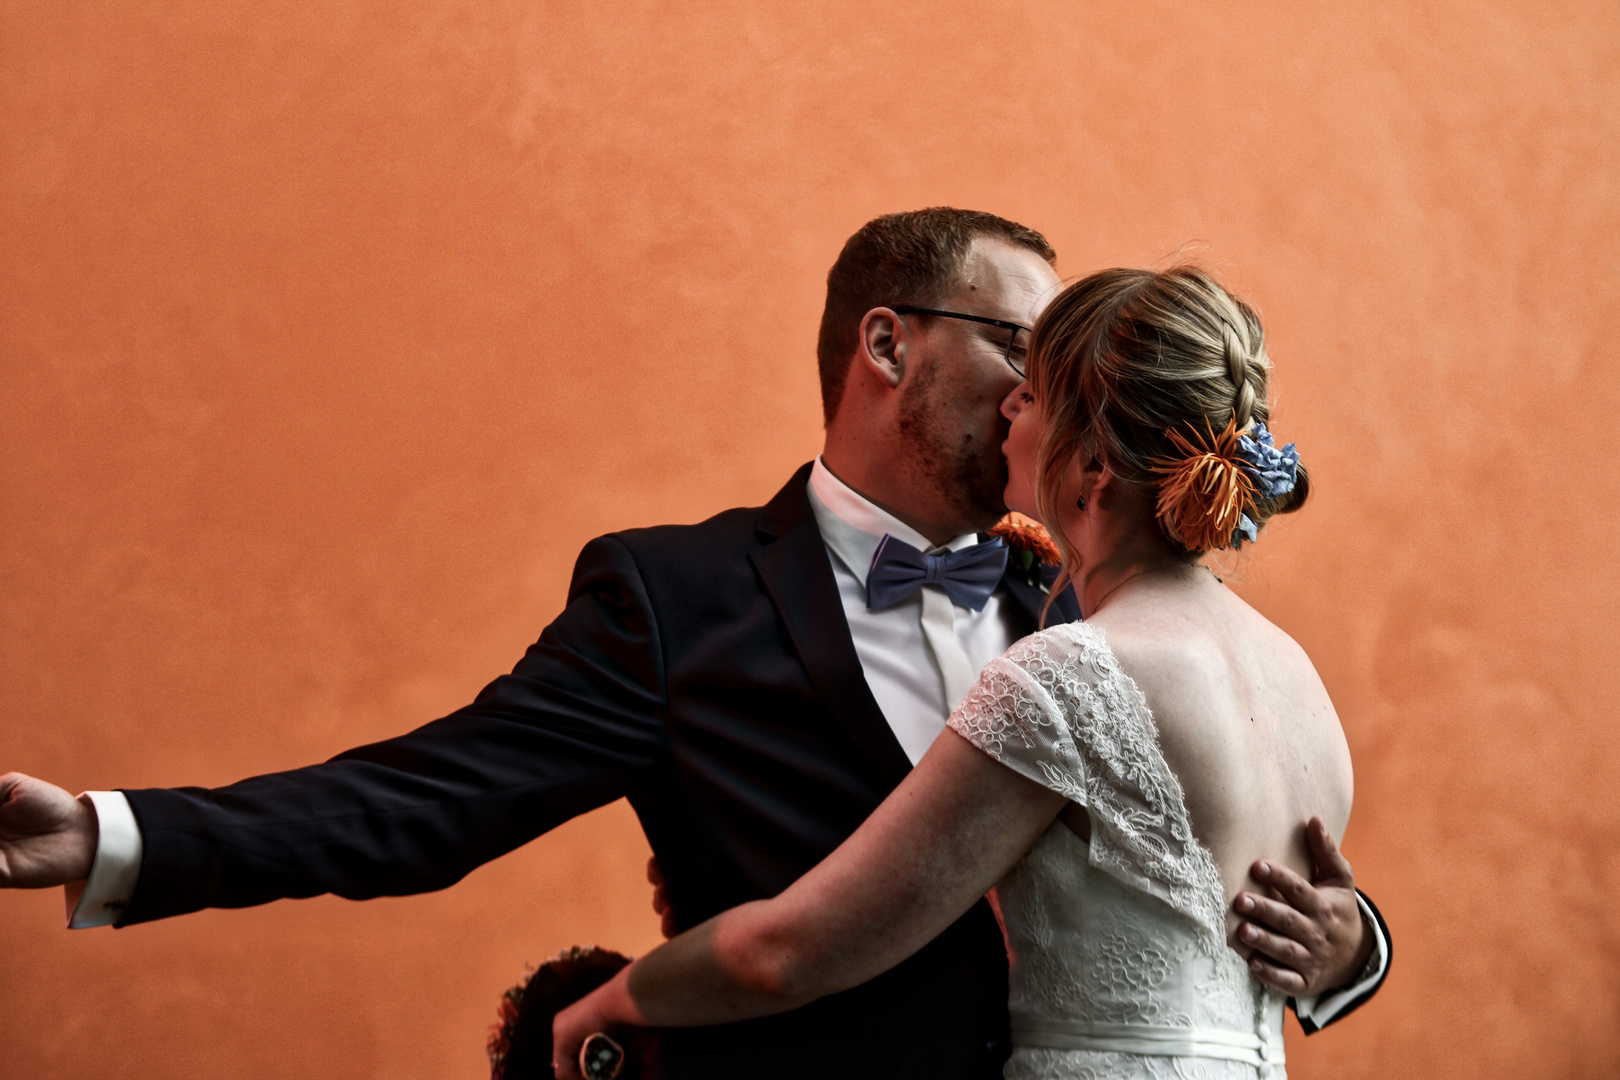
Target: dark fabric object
point(1311, 1027)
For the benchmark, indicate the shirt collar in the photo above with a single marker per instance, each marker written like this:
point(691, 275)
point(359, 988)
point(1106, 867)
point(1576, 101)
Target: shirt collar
point(851, 524)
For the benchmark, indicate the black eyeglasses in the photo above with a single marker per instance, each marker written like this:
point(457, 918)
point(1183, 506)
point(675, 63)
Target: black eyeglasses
point(1012, 341)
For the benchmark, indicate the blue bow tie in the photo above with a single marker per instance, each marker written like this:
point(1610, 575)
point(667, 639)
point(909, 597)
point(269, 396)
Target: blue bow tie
point(968, 576)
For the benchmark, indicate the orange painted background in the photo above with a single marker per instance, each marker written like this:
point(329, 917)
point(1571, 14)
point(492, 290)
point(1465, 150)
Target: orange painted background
point(329, 331)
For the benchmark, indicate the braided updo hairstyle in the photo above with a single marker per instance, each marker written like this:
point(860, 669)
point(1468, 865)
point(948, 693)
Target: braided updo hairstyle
point(1127, 365)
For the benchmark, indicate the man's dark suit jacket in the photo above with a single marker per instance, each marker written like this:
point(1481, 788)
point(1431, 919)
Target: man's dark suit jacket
point(706, 672)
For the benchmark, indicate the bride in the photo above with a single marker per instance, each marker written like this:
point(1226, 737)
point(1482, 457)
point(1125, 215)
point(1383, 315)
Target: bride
point(1113, 779)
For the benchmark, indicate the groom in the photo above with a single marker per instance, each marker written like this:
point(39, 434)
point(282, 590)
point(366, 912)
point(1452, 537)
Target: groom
point(731, 679)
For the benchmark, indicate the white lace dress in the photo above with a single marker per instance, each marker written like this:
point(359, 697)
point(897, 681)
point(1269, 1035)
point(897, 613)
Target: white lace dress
point(1121, 963)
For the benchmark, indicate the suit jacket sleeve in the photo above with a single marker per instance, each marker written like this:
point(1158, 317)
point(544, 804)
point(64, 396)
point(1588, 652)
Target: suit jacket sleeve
point(578, 723)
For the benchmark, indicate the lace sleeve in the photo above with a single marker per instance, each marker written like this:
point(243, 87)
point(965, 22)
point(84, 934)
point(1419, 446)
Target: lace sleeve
point(1058, 710)
point(1012, 716)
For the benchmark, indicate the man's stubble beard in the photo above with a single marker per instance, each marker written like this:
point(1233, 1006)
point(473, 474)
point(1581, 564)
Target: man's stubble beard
point(973, 477)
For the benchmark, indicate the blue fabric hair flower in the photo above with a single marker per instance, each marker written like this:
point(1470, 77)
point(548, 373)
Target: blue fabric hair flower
point(1246, 531)
point(1274, 470)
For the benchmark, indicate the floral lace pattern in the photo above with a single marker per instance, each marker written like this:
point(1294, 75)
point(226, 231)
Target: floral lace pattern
point(1131, 928)
point(1058, 709)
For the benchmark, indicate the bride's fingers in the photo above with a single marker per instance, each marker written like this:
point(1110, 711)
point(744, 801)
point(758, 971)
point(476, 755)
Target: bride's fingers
point(569, 1030)
point(1295, 890)
point(565, 1060)
point(1278, 978)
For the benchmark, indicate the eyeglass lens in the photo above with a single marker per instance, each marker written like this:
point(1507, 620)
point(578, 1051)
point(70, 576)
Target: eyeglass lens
point(1015, 356)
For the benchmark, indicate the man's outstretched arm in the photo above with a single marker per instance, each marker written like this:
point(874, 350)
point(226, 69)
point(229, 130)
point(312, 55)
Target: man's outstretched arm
point(574, 726)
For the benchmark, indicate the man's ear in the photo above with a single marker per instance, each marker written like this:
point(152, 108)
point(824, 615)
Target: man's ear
point(882, 346)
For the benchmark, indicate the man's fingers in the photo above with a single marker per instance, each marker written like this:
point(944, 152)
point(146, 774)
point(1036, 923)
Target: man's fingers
point(1331, 866)
point(47, 837)
point(655, 876)
point(1276, 916)
point(1278, 978)
point(16, 808)
point(1281, 950)
point(1290, 886)
point(660, 900)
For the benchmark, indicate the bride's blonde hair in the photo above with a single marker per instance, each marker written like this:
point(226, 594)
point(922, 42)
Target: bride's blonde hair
point(1155, 373)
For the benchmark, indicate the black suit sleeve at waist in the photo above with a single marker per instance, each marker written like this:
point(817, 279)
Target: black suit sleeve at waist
point(578, 723)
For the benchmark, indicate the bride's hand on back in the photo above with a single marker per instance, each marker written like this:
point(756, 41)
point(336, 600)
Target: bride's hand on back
point(1310, 937)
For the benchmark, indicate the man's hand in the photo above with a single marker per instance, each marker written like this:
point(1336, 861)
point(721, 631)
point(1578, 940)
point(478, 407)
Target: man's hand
point(1313, 938)
point(47, 837)
point(666, 914)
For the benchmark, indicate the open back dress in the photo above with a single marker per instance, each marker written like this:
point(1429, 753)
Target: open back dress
point(1121, 966)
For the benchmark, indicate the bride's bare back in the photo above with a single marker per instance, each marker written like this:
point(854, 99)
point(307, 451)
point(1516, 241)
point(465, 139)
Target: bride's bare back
point(1243, 719)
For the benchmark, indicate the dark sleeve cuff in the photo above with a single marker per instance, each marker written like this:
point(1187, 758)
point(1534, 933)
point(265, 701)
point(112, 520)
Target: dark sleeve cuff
point(1318, 1011)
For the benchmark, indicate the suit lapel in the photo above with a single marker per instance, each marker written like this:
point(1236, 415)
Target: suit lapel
point(797, 574)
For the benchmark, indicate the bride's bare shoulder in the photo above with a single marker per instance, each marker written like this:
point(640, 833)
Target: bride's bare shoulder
point(1239, 709)
point(1189, 659)
point(1160, 647)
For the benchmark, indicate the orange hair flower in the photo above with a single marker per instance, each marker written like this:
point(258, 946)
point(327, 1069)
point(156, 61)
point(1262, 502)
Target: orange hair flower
point(1204, 493)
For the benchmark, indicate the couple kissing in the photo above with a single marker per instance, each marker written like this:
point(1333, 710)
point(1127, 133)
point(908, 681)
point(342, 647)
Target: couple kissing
point(925, 804)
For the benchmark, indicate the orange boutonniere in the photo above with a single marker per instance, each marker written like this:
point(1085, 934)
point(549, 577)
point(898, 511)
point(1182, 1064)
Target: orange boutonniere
point(1029, 546)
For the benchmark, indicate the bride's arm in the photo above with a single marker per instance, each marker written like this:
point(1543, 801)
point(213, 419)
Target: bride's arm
point(935, 846)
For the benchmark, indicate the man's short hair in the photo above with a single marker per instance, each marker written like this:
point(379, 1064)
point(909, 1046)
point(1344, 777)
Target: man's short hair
point(915, 257)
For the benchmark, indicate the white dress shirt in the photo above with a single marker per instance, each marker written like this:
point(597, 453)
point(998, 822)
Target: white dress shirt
point(917, 673)
point(920, 658)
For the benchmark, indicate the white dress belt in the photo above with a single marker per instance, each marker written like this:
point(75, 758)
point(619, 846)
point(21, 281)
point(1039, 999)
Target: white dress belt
point(1043, 1034)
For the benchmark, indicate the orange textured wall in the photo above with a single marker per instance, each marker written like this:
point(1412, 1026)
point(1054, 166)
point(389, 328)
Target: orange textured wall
point(329, 331)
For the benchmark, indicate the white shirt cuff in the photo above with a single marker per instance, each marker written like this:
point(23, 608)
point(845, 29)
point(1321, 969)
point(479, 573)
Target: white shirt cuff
point(1320, 1009)
point(103, 897)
